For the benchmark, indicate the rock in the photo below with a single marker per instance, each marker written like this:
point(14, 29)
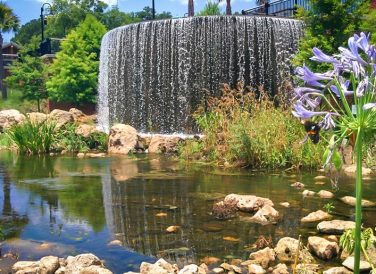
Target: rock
point(352, 200)
point(218, 270)
point(210, 260)
point(337, 270)
point(332, 238)
point(316, 216)
point(325, 194)
point(79, 262)
point(298, 185)
point(26, 265)
point(285, 204)
point(80, 155)
point(323, 248)
point(255, 269)
point(247, 203)
point(231, 239)
point(85, 130)
point(308, 193)
point(122, 139)
point(49, 264)
point(94, 269)
point(335, 226)
point(286, 251)
point(61, 117)
point(143, 142)
point(159, 267)
point(172, 228)
point(349, 263)
point(9, 118)
point(320, 178)
point(263, 257)
point(164, 144)
point(115, 242)
point(191, 269)
point(37, 117)
point(224, 211)
point(351, 170)
point(265, 215)
point(280, 269)
point(307, 268)
point(95, 154)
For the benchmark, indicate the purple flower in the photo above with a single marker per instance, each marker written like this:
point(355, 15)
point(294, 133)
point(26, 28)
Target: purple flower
point(369, 106)
point(344, 85)
point(310, 102)
point(322, 57)
point(363, 41)
point(362, 86)
point(300, 91)
point(311, 78)
point(352, 53)
point(303, 113)
point(328, 122)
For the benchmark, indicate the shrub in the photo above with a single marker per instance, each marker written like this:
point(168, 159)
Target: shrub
point(32, 137)
point(245, 128)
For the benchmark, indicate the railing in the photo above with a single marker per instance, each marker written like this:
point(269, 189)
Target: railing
point(282, 8)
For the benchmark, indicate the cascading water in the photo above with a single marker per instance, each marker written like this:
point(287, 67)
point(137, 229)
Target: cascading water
point(154, 74)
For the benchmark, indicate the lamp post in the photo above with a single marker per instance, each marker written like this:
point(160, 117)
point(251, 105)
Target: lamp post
point(153, 7)
point(42, 17)
point(45, 45)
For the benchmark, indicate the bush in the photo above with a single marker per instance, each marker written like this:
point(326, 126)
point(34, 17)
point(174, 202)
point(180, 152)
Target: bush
point(244, 128)
point(32, 137)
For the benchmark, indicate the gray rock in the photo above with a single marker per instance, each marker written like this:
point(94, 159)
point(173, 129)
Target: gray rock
point(25, 267)
point(325, 194)
point(263, 257)
point(85, 130)
point(37, 117)
point(316, 216)
point(280, 269)
point(9, 118)
point(349, 263)
point(337, 270)
point(352, 200)
point(285, 204)
point(323, 248)
point(218, 270)
point(79, 262)
point(248, 203)
point(307, 268)
point(164, 144)
point(287, 248)
point(122, 139)
point(94, 269)
point(265, 215)
point(61, 117)
point(351, 170)
point(255, 269)
point(335, 226)
point(159, 267)
point(308, 193)
point(49, 264)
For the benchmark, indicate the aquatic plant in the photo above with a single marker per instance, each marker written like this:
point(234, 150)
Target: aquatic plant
point(329, 207)
point(342, 101)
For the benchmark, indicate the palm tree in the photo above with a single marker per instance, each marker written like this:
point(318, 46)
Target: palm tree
point(191, 8)
point(8, 22)
point(228, 7)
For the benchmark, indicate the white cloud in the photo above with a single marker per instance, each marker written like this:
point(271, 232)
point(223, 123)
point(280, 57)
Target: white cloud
point(111, 2)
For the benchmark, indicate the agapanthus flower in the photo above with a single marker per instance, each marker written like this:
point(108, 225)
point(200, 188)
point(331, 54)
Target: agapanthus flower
point(303, 113)
point(362, 87)
point(344, 85)
point(352, 53)
point(369, 106)
point(328, 122)
point(300, 91)
point(310, 100)
point(310, 78)
point(322, 57)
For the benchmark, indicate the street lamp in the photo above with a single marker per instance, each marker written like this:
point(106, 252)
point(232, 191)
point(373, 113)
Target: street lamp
point(45, 46)
point(153, 7)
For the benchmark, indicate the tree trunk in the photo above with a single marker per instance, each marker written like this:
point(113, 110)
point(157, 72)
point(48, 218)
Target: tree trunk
point(191, 8)
point(3, 88)
point(228, 7)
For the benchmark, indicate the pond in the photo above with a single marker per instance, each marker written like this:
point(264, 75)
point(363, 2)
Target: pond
point(65, 206)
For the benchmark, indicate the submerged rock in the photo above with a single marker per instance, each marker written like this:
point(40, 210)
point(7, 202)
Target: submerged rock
point(323, 248)
point(298, 185)
point(335, 226)
point(325, 194)
point(352, 201)
point(349, 263)
point(265, 215)
point(247, 203)
point(316, 216)
point(287, 248)
point(308, 193)
point(122, 139)
point(285, 204)
point(263, 257)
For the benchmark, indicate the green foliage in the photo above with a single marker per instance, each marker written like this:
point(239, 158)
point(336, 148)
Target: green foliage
point(147, 14)
point(28, 75)
point(32, 137)
point(8, 20)
point(329, 207)
point(369, 24)
point(24, 35)
point(211, 8)
point(74, 72)
point(328, 25)
point(245, 130)
point(15, 101)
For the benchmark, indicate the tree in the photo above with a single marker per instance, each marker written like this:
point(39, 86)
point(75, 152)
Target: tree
point(147, 14)
point(228, 7)
point(211, 8)
point(115, 18)
point(328, 24)
point(28, 74)
point(74, 72)
point(27, 31)
point(369, 24)
point(8, 22)
point(191, 8)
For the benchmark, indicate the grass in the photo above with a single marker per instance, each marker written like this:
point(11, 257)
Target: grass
point(244, 128)
point(15, 101)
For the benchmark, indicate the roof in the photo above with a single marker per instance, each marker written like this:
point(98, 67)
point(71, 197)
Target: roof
point(6, 45)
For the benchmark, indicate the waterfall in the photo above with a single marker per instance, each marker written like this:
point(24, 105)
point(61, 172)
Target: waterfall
point(154, 74)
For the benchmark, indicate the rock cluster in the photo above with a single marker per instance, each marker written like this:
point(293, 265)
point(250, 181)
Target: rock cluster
point(83, 263)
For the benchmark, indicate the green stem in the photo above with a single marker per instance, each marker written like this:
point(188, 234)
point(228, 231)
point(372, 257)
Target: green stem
point(358, 206)
point(368, 259)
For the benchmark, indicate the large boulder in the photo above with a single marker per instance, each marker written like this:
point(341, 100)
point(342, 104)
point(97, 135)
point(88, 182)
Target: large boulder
point(255, 269)
point(280, 269)
point(159, 267)
point(122, 139)
point(263, 257)
point(316, 216)
point(9, 118)
point(164, 144)
point(26, 267)
point(86, 130)
point(61, 117)
point(335, 226)
point(192, 269)
point(247, 203)
point(287, 248)
point(37, 117)
point(323, 248)
point(49, 264)
point(352, 201)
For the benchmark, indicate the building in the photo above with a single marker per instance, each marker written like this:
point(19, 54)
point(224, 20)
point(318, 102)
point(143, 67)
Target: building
point(10, 54)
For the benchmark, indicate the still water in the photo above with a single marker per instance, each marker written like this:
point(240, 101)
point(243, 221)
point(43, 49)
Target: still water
point(65, 206)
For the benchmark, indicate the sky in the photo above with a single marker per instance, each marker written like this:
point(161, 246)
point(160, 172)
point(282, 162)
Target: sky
point(27, 10)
